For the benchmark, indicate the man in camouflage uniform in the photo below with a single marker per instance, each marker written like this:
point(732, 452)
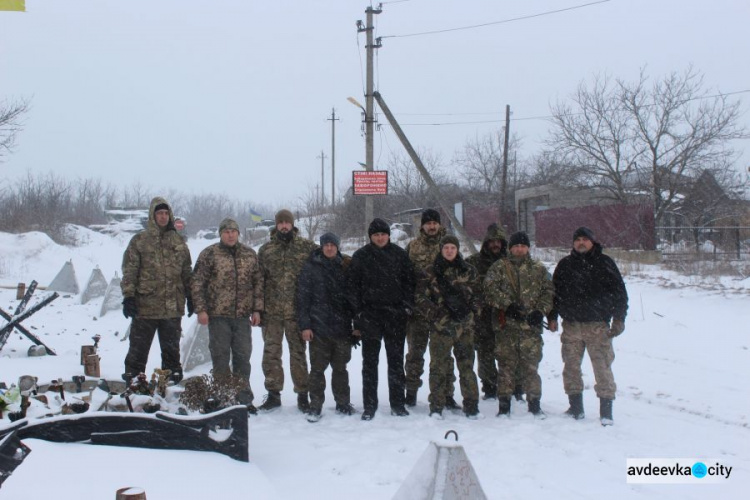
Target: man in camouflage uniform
point(589, 293)
point(447, 296)
point(422, 252)
point(155, 285)
point(493, 248)
point(228, 294)
point(281, 261)
point(519, 289)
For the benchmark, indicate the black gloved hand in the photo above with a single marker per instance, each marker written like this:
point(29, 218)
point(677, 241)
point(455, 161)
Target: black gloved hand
point(515, 311)
point(535, 318)
point(129, 308)
point(190, 307)
point(354, 339)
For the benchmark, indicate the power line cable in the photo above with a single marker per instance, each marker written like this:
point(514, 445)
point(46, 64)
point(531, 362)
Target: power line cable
point(504, 21)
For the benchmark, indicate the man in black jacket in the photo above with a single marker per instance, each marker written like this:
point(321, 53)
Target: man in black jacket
point(589, 293)
point(325, 320)
point(381, 285)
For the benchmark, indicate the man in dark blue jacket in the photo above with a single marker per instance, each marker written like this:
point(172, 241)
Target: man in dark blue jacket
point(380, 283)
point(589, 293)
point(325, 320)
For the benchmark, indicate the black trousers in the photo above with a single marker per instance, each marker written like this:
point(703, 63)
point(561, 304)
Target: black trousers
point(378, 329)
point(142, 336)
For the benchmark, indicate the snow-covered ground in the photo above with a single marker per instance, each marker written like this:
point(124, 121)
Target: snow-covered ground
point(682, 368)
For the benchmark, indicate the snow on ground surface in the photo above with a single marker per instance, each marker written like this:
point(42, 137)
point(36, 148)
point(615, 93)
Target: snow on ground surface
point(682, 368)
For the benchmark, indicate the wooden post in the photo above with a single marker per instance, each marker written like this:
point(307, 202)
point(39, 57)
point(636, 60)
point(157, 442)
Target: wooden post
point(20, 291)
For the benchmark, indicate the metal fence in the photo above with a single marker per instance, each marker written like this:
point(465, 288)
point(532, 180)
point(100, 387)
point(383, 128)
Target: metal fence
point(704, 243)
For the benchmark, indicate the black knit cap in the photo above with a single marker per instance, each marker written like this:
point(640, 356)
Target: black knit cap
point(430, 215)
point(330, 238)
point(378, 226)
point(449, 239)
point(519, 238)
point(585, 232)
point(161, 206)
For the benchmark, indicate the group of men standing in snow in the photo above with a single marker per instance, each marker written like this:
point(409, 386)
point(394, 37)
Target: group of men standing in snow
point(494, 303)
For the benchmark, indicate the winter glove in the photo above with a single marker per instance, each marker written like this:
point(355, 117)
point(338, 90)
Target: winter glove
point(129, 309)
point(535, 318)
point(190, 307)
point(618, 326)
point(514, 311)
point(354, 339)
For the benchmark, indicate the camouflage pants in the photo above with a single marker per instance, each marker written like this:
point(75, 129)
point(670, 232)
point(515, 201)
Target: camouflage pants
point(484, 338)
point(594, 337)
point(230, 339)
point(273, 336)
point(336, 352)
point(417, 338)
point(518, 353)
point(142, 336)
point(459, 338)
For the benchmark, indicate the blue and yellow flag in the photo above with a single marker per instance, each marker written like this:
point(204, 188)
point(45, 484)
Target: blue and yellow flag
point(15, 5)
point(255, 216)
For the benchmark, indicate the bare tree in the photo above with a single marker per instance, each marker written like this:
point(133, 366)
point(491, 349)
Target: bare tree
point(10, 123)
point(404, 178)
point(481, 161)
point(634, 138)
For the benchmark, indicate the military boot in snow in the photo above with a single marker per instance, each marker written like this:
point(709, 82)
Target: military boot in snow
point(605, 412)
point(303, 404)
point(450, 404)
point(399, 411)
point(411, 398)
point(576, 406)
point(489, 390)
point(471, 410)
point(345, 409)
point(535, 408)
point(271, 402)
point(313, 415)
point(368, 414)
point(504, 406)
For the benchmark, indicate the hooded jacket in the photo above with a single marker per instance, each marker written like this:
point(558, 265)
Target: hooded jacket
point(156, 269)
point(483, 260)
point(589, 288)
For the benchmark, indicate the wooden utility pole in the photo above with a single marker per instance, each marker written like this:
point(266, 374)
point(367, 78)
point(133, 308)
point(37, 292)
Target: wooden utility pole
point(369, 105)
point(468, 244)
point(322, 178)
point(333, 120)
point(504, 182)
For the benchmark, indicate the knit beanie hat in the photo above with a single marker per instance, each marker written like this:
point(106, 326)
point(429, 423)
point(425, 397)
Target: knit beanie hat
point(430, 215)
point(228, 224)
point(585, 232)
point(161, 206)
point(378, 226)
point(284, 215)
point(519, 238)
point(330, 238)
point(449, 239)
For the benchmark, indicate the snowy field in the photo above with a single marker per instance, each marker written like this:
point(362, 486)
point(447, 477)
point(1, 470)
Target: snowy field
point(682, 368)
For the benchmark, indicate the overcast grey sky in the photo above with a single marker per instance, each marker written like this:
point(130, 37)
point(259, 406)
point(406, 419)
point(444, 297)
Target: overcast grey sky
point(232, 96)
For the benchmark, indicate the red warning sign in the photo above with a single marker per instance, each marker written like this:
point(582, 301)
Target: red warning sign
point(370, 183)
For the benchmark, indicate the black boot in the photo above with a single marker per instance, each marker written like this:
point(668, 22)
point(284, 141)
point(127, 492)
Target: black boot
point(399, 411)
point(576, 406)
point(535, 408)
point(605, 412)
point(504, 406)
point(489, 390)
point(450, 404)
point(272, 401)
point(303, 404)
point(471, 409)
point(411, 398)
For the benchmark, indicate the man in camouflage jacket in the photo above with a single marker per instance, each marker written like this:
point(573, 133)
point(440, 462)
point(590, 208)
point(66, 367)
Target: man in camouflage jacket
point(422, 252)
point(493, 249)
point(447, 296)
point(281, 261)
point(155, 285)
point(519, 289)
point(228, 296)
